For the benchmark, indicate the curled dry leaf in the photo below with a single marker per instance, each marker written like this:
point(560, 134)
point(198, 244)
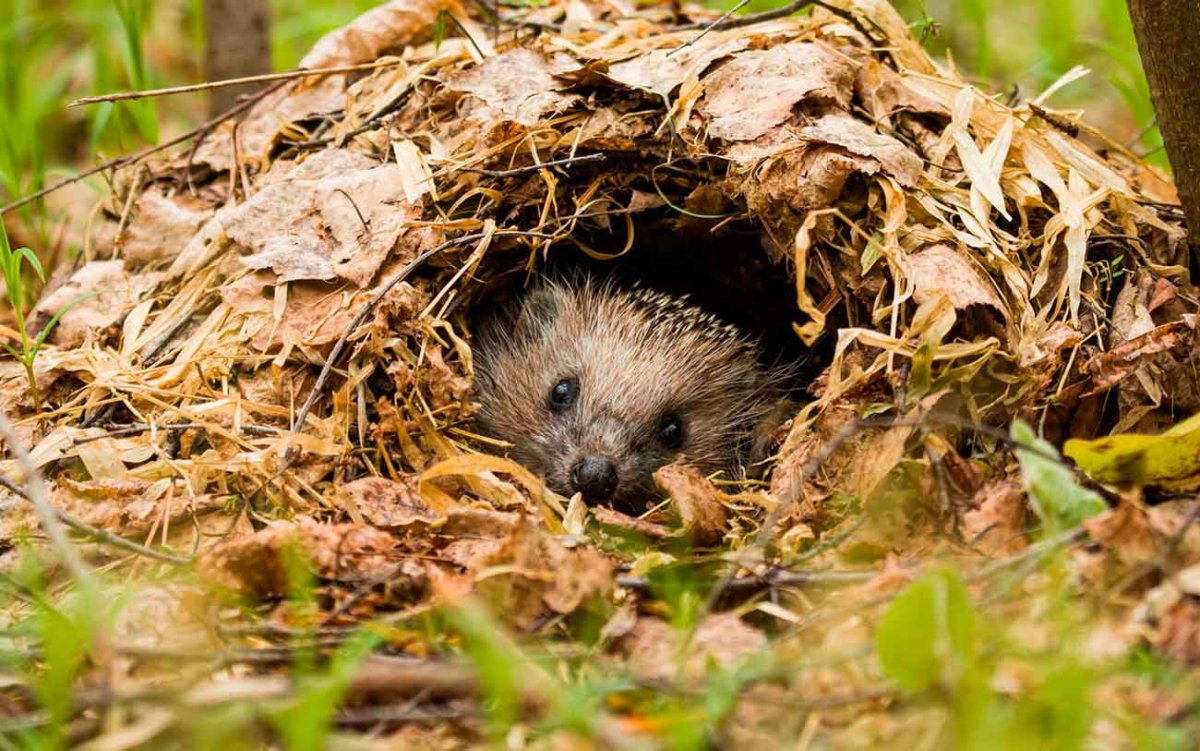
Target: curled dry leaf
point(614, 519)
point(390, 26)
point(161, 227)
point(1126, 531)
point(517, 86)
point(309, 314)
point(859, 139)
point(1111, 367)
point(942, 271)
point(131, 507)
point(997, 526)
point(662, 71)
point(695, 499)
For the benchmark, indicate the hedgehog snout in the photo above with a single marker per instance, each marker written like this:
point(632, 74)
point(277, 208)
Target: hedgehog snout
point(595, 476)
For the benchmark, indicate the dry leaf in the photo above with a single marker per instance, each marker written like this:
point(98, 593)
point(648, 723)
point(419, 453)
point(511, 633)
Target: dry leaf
point(695, 499)
point(389, 504)
point(337, 214)
point(757, 90)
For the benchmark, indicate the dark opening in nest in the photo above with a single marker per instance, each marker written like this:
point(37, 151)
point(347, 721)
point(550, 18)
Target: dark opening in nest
point(727, 273)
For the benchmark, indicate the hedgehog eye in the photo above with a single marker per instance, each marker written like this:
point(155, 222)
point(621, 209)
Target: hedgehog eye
point(670, 431)
point(563, 394)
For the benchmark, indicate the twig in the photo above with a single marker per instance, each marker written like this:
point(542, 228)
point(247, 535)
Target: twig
point(724, 17)
point(534, 167)
point(264, 78)
point(370, 123)
point(123, 161)
point(783, 11)
point(35, 493)
point(403, 714)
point(87, 530)
point(724, 22)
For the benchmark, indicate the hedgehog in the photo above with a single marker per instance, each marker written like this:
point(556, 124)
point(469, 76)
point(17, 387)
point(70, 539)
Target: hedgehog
point(596, 385)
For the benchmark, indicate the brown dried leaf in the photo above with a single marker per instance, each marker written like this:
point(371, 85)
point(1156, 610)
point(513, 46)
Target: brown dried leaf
point(1177, 634)
point(516, 86)
point(1126, 531)
point(1119, 363)
point(314, 314)
point(997, 526)
point(862, 140)
point(131, 507)
point(367, 37)
point(652, 647)
point(532, 575)
point(696, 500)
point(662, 71)
point(256, 564)
point(942, 271)
point(95, 297)
point(608, 517)
point(389, 504)
point(267, 119)
point(337, 214)
point(161, 227)
point(757, 90)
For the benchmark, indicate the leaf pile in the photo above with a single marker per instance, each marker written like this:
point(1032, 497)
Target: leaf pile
point(270, 379)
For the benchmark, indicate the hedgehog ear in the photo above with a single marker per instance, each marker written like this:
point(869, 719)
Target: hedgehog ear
point(539, 306)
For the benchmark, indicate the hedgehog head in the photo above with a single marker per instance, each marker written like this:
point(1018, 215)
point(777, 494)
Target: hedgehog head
point(596, 387)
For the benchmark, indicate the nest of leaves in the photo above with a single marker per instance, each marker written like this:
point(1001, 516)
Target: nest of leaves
point(267, 349)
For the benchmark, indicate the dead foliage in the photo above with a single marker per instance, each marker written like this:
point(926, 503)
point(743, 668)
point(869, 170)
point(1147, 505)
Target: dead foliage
point(273, 377)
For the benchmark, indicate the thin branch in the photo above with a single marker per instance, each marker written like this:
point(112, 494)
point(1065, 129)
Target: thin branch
point(99, 535)
point(724, 22)
point(263, 78)
point(35, 492)
point(124, 161)
point(724, 17)
point(398, 714)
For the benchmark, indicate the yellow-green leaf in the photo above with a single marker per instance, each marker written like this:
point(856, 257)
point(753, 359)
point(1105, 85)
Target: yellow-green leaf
point(1170, 458)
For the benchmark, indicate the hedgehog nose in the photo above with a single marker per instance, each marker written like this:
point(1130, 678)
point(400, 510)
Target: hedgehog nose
point(595, 477)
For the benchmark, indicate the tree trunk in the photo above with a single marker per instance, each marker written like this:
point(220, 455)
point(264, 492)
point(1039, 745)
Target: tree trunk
point(237, 42)
point(1168, 37)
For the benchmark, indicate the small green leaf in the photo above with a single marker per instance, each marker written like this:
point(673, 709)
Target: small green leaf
point(439, 31)
point(29, 256)
point(872, 253)
point(929, 635)
point(1058, 500)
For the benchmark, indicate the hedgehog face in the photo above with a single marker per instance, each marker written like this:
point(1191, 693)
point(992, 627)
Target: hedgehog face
point(596, 388)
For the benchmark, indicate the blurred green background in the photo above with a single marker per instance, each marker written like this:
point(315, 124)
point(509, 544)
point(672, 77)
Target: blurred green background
point(52, 51)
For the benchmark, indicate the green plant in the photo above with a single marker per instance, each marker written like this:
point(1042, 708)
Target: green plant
point(12, 265)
